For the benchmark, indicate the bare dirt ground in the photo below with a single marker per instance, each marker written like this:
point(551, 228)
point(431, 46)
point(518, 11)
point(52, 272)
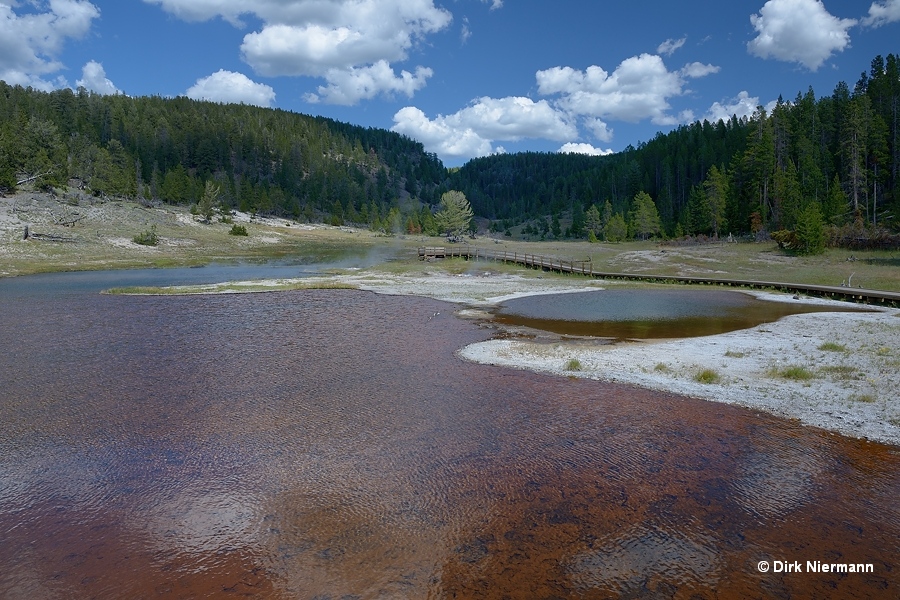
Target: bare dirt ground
point(72, 231)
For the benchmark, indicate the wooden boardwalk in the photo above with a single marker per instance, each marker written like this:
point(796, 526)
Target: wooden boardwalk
point(585, 267)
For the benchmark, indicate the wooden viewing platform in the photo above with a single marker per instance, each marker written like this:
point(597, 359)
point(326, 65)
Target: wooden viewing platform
point(585, 267)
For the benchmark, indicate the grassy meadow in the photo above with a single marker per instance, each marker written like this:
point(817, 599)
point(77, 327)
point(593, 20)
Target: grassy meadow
point(103, 238)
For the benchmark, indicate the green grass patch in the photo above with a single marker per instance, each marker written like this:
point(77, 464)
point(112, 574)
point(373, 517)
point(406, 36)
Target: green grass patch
point(707, 376)
point(832, 347)
point(733, 354)
point(868, 398)
point(841, 371)
point(795, 372)
point(662, 368)
point(573, 365)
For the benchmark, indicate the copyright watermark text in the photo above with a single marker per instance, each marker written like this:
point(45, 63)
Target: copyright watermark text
point(812, 566)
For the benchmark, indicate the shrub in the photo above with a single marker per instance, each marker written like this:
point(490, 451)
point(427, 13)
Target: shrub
point(707, 376)
point(573, 365)
point(147, 238)
point(238, 230)
point(787, 240)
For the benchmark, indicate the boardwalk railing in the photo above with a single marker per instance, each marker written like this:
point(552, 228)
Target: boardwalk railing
point(529, 260)
point(585, 267)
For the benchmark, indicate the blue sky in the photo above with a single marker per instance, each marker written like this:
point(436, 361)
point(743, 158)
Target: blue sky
point(465, 77)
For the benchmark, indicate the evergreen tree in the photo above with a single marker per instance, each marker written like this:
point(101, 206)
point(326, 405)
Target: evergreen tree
point(606, 215)
point(716, 188)
point(697, 217)
point(786, 196)
point(854, 142)
point(592, 220)
point(835, 206)
point(644, 218)
point(616, 229)
point(810, 230)
point(455, 214)
point(759, 164)
point(207, 205)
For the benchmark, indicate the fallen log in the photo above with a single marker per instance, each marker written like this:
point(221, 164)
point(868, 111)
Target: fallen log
point(68, 221)
point(49, 237)
point(33, 177)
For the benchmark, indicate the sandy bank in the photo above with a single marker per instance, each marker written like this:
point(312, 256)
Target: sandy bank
point(849, 386)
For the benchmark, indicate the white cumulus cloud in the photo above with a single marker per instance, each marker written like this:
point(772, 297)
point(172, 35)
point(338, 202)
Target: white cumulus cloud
point(600, 129)
point(742, 105)
point(882, 13)
point(695, 69)
point(800, 31)
point(581, 148)
point(638, 89)
point(228, 87)
point(30, 43)
point(473, 130)
point(93, 77)
point(442, 135)
point(349, 86)
point(346, 42)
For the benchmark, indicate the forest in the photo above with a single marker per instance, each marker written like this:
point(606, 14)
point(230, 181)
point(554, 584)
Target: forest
point(263, 161)
point(838, 156)
point(832, 160)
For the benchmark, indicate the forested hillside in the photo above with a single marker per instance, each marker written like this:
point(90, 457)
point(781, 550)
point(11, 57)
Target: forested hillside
point(834, 159)
point(263, 160)
point(839, 154)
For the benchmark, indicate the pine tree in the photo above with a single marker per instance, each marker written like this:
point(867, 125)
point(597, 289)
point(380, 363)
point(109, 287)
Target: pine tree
point(835, 206)
point(616, 229)
point(810, 230)
point(644, 218)
point(606, 215)
point(854, 140)
point(207, 205)
point(592, 220)
point(455, 214)
point(716, 188)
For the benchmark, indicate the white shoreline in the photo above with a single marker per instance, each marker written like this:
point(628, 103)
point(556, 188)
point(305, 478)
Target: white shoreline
point(857, 397)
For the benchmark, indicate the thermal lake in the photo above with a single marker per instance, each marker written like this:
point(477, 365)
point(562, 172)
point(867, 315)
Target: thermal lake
point(331, 444)
point(649, 313)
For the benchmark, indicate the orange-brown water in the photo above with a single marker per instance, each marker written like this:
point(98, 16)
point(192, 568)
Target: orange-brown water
point(329, 444)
